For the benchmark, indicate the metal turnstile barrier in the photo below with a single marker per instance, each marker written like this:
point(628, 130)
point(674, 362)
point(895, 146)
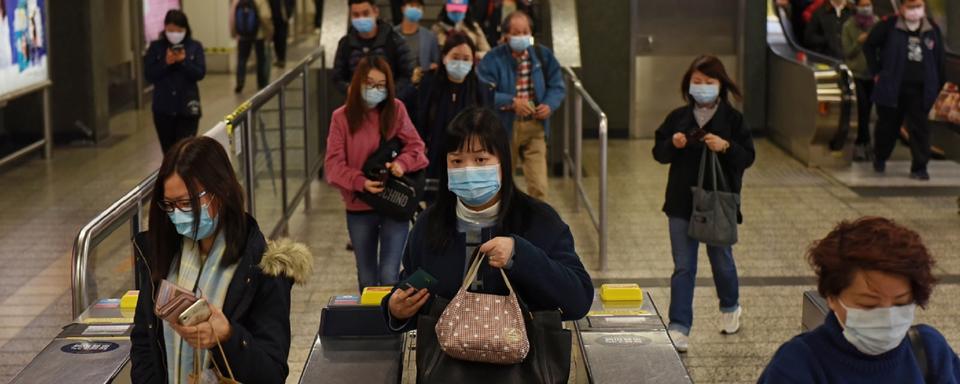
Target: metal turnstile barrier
point(814, 311)
point(627, 342)
point(93, 349)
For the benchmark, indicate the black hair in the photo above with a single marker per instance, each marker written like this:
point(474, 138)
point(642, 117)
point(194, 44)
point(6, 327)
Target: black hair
point(355, 2)
point(711, 66)
point(516, 207)
point(408, 2)
point(203, 165)
point(471, 84)
point(178, 18)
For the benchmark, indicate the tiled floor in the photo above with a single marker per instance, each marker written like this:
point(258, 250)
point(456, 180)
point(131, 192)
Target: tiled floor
point(786, 206)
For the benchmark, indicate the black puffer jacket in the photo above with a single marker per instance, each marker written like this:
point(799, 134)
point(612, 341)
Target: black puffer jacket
point(685, 163)
point(257, 305)
point(388, 43)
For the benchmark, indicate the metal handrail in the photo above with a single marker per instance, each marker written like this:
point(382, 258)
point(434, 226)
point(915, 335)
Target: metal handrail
point(599, 218)
point(130, 206)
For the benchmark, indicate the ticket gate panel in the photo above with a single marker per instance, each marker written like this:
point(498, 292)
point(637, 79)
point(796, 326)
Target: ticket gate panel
point(100, 361)
point(353, 360)
point(632, 357)
point(814, 311)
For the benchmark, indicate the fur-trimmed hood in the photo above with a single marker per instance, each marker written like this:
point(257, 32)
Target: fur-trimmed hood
point(287, 258)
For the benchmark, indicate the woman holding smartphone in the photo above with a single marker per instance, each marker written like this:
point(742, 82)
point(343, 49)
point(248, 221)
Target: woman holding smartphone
point(174, 64)
point(372, 116)
point(707, 120)
point(479, 208)
point(201, 240)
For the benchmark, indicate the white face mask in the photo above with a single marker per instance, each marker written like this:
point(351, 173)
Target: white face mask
point(914, 15)
point(175, 37)
point(879, 330)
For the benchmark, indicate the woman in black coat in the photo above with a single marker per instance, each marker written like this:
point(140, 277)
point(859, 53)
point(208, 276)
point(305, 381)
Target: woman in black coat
point(219, 253)
point(174, 64)
point(479, 209)
point(708, 120)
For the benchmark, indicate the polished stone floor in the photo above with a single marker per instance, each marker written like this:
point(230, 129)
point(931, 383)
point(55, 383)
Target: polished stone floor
point(786, 206)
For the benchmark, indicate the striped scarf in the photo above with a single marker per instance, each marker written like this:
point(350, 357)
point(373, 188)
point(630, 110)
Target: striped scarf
point(212, 283)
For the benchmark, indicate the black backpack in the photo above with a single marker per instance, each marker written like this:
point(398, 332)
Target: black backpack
point(247, 20)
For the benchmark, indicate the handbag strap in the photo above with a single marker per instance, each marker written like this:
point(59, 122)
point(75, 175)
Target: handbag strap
point(475, 268)
point(718, 170)
point(919, 352)
point(703, 163)
point(222, 355)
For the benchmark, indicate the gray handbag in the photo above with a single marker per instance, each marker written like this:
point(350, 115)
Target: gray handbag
point(714, 217)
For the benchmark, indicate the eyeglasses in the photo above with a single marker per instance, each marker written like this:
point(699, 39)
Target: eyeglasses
point(183, 205)
point(378, 86)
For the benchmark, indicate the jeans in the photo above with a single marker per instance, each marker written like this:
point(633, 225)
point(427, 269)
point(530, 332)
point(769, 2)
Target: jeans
point(684, 278)
point(909, 108)
point(263, 67)
point(367, 231)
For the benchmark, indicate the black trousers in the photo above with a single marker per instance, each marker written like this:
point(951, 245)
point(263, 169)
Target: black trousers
point(263, 67)
point(171, 129)
point(318, 16)
point(864, 107)
point(910, 109)
point(281, 28)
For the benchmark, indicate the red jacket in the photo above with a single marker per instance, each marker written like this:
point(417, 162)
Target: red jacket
point(347, 152)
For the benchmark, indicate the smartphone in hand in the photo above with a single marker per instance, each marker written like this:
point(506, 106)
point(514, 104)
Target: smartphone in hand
point(177, 48)
point(419, 280)
point(195, 314)
point(696, 135)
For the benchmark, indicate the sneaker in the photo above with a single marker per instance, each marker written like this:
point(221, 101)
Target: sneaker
point(730, 321)
point(680, 341)
point(879, 166)
point(920, 175)
point(238, 89)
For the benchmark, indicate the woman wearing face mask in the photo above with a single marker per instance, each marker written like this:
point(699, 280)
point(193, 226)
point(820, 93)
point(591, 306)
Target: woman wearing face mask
point(855, 32)
point(456, 17)
point(874, 273)
point(372, 115)
point(444, 93)
point(201, 239)
point(708, 120)
point(174, 64)
point(478, 206)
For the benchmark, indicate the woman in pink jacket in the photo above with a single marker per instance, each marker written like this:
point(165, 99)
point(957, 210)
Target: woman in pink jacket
point(356, 129)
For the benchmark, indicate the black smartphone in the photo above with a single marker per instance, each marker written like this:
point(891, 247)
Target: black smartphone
point(696, 135)
point(384, 175)
point(419, 280)
point(176, 47)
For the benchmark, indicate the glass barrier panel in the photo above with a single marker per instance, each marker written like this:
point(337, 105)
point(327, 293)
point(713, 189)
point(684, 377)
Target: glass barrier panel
point(294, 138)
point(267, 183)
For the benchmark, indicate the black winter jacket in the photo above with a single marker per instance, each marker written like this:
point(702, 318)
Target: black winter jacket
point(546, 273)
point(886, 54)
point(257, 305)
point(684, 163)
point(823, 32)
point(388, 43)
point(175, 85)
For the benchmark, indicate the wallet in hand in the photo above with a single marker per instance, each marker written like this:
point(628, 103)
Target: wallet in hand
point(172, 300)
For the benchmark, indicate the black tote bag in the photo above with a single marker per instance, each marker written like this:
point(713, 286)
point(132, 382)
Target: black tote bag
point(714, 217)
point(547, 362)
point(400, 195)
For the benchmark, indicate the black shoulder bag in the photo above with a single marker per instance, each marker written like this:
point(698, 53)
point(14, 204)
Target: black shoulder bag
point(401, 195)
point(919, 352)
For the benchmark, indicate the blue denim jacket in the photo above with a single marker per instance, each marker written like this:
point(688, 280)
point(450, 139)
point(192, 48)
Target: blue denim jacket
point(499, 67)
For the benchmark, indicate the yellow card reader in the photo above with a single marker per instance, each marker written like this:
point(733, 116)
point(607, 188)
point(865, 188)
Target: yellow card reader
point(621, 292)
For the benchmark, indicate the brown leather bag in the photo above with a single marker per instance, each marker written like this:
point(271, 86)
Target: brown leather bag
point(481, 327)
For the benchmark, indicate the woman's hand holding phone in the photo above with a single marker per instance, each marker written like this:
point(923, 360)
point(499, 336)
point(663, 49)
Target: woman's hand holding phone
point(205, 335)
point(405, 303)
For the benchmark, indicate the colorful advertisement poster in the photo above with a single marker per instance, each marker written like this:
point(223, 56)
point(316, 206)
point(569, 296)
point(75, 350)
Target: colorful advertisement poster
point(153, 13)
point(23, 45)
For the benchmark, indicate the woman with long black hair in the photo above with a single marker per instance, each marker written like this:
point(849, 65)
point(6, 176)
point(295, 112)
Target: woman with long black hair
point(479, 208)
point(201, 240)
point(174, 64)
point(444, 93)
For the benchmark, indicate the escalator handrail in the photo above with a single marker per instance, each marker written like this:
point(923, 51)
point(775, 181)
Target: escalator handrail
point(788, 35)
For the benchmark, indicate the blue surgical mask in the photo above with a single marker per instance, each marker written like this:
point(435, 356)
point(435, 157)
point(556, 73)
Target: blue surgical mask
point(373, 96)
point(414, 14)
point(704, 93)
point(879, 330)
point(458, 69)
point(865, 10)
point(520, 43)
point(184, 223)
point(456, 17)
point(363, 24)
point(475, 186)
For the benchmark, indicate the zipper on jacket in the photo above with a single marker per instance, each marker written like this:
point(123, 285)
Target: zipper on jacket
point(157, 326)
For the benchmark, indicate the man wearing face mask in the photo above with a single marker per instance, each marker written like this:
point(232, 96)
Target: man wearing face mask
point(874, 273)
point(529, 88)
point(370, 36)
point(823, 31)
point(424, 48)
point(174, 63)
point(906, 56)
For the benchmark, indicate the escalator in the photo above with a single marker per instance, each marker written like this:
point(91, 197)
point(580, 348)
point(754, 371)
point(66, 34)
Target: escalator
point(812, 101)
